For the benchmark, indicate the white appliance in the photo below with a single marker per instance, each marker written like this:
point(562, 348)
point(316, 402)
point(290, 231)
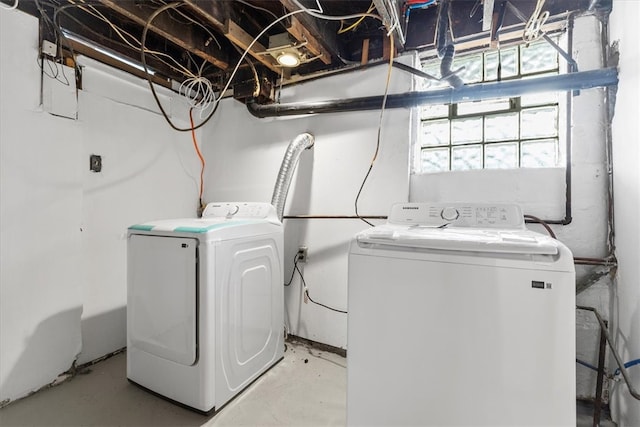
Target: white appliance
point(458, 315)
point(205, 303)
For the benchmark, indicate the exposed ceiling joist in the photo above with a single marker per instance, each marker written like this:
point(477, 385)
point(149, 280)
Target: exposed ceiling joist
point(198, 42)
point(302, 34)
point(304, 27)
point(96, 34)
point(242, 39)
point(184, 33)
point(217, 14)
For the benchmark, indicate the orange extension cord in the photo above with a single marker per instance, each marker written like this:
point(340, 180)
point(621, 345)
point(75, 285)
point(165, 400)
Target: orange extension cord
point(195, 145)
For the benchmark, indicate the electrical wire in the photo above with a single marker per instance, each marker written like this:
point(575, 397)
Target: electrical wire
point(627, 365)
point(304, 286)
point(12, 7)
point(54, 29)
point(533, 29)
point(177, 4)
point(357, 23)
point(319, 13)
point(177, 66)
point(233, 73)
point(306, 292)
point(293, 271)
point(202, 162)
point(379, 137)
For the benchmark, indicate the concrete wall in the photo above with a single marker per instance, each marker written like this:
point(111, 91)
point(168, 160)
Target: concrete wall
point(243, 158)
point(626, 158)
point(62, 227)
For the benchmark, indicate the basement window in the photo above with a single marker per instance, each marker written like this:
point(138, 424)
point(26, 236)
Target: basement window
point(506, 133)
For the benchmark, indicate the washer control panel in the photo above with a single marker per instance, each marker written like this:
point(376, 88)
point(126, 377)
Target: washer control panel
point(478, 215)
point(239, 210)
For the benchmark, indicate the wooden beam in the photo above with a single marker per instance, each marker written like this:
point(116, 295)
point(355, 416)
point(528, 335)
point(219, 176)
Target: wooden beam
point(304, 27)
point(187, 38)
point(302, 34)
point(215, 12)
point(99, 35)
point(365, 52)
point(219, 14)
point(241, 38)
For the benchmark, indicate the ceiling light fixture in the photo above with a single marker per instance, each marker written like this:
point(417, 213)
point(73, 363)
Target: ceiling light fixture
point(288, 59)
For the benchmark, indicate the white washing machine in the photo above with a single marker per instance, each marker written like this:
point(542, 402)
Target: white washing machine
point(460, 316)
point(205, 303)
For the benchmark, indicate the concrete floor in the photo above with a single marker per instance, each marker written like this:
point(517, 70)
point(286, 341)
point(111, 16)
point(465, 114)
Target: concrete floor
point(308, 388)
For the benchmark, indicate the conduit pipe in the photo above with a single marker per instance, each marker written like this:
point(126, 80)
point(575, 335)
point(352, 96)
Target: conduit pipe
point(445, 48)
point(616, 356)
point(512, 88)
point(289, 162)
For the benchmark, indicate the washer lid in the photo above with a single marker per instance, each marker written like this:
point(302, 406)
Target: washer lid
point(458, 239)
point(220, 218)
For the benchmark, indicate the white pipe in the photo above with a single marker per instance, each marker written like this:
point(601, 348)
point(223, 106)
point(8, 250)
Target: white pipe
point(289, 163)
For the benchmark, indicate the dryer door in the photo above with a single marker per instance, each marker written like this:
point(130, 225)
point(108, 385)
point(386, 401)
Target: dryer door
point(250, 311)
point(161, 298)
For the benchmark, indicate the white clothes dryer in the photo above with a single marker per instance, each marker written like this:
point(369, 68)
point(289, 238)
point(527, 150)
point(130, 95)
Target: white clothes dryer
point(205, 303)
point(459, 315)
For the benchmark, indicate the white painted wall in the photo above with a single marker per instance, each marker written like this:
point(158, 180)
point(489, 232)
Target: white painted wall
point(62, 227)
point(40, 214)
point(626, 159)
point(149, 172)
point(243, 158)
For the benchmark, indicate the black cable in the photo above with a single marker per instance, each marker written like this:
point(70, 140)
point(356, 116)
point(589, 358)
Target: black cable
point(148, 77)
point(379, 137)
point(293, 272)
point(306, 292)
point(358, 196)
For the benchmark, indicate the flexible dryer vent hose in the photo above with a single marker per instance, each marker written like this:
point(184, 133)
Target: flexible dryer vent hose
point(289, 163)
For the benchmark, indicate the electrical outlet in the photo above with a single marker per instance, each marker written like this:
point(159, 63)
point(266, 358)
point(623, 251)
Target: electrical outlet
point(95, 163)
point(49, 49)
point(302, 254)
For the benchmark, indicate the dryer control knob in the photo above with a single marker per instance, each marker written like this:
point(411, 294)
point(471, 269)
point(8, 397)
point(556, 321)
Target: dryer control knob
point(449, 214)
point(232, 210)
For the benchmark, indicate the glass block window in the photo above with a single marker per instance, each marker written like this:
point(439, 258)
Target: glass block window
point(519, 132)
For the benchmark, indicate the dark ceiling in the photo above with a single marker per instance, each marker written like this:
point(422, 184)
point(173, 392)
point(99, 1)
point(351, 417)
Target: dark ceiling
point(207, 37)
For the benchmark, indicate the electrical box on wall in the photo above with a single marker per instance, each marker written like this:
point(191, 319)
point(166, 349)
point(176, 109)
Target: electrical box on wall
point(95, 163)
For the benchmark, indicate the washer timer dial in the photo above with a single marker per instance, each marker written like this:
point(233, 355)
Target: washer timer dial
point(449, 214)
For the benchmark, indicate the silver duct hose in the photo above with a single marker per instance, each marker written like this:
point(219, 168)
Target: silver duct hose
point(289, 163)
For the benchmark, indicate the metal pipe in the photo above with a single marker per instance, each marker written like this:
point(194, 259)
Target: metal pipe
point(289, 163)
point(482, 91)
point(573, 68)
point(600, 379)
point(623, 370)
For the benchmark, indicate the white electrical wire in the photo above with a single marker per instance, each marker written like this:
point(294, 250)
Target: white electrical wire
point(319, 13)
point(14, 6)
point(533, 29)
point(316, 13)
point(121, 33)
